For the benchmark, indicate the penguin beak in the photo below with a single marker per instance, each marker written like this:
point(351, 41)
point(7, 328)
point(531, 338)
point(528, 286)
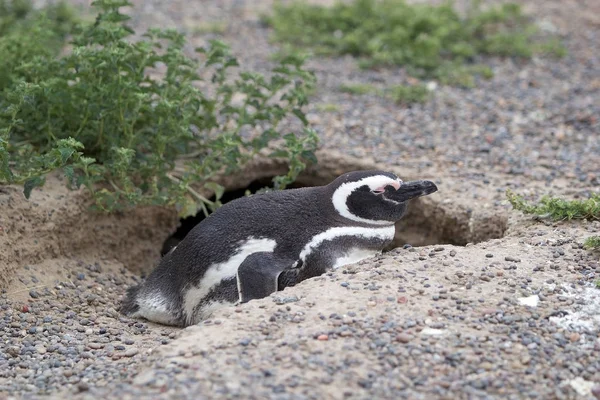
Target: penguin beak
point(411, 190)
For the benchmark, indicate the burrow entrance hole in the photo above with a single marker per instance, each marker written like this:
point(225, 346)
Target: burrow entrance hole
point(426, 222)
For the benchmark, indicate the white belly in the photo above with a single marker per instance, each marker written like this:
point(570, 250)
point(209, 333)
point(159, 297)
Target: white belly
point(353, 256)
point(216, 273)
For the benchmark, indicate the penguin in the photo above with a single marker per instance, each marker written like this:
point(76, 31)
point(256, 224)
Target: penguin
point(256, 245)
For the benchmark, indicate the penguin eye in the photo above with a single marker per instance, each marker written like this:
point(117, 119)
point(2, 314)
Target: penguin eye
point(379, 190)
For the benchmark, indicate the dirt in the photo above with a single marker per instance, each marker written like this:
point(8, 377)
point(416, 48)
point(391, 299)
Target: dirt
point(56, 223)
point(492, 304)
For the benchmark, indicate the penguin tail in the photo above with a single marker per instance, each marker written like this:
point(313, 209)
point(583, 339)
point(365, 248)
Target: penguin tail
point(130, 306)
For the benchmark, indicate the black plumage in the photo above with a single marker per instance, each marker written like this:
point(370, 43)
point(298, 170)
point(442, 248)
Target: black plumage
point(285, 220)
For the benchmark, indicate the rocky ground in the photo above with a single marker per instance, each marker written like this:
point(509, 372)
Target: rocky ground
point(513, 317)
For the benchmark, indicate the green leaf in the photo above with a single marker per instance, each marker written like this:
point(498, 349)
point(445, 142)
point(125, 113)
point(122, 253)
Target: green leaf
point(65, 154)
point(188, 208)
point(298, 113)
point(281, 153)
point(32, 183)
point(216, 188)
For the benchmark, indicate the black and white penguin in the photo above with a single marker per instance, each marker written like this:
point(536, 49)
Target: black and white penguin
point(256, 245)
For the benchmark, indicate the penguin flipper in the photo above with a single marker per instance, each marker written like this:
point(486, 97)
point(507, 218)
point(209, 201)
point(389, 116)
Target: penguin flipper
point(258, 275)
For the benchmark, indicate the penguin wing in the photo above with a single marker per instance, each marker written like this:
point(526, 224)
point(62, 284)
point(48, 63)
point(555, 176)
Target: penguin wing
point(258, 274)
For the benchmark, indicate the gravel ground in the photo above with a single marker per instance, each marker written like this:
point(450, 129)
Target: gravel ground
point(415, 324)
point(70, 331)
point(510, 318)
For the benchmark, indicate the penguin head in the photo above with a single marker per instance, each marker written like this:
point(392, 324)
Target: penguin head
point(375, 197)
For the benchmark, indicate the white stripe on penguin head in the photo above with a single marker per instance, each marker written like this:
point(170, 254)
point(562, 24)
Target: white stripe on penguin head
point(341, 194)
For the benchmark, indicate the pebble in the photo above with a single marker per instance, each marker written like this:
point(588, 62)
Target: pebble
point(403, 338)
point(130, 352)
point(574, 337)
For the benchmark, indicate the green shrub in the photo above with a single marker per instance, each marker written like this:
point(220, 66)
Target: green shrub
point(26, 34)
point(432, 41)
point(558, 209)
point(401, 94)
point(328, 107)
point(409, 94)
point(357, 88)
point(593, 242)
point(214, 27)
point(134, 135)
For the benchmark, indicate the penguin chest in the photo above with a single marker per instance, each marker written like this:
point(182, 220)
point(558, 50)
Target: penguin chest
point(341, 246)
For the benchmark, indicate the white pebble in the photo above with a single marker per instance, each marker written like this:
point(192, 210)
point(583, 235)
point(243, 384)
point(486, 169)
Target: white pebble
point(531, 301)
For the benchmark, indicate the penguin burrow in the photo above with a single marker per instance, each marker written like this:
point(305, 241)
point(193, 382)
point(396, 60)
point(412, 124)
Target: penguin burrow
point(256, 245)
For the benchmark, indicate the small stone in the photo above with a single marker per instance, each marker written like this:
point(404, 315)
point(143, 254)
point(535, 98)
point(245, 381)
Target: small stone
point(130, 352)
point(596, 391)
point(40, 349)
point(403, 338)
point(34, 294)
point(452, 253)
point(432, 331)
point(323, 337)
point(83, 386)
point(489, 255)
point(531, 301)
point(512, 259)
point(285, 300)
point(80, 276)
point(13, 351)
point(574, 337)
point(487, 366)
